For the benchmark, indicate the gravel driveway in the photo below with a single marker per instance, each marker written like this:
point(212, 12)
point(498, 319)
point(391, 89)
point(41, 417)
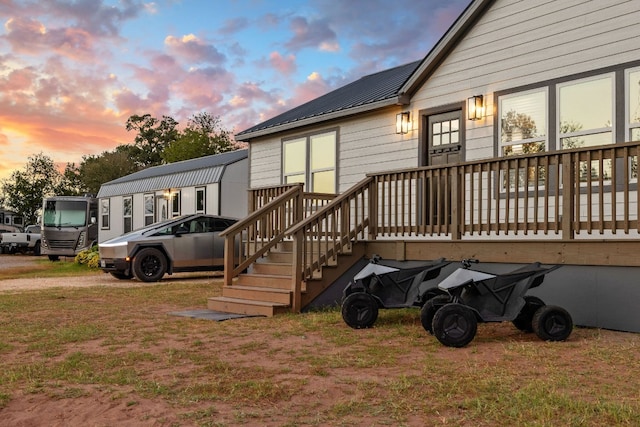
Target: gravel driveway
point(95, 279)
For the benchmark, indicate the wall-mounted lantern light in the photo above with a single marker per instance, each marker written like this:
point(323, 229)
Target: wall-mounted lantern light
point(475, 107)
point(402, 122)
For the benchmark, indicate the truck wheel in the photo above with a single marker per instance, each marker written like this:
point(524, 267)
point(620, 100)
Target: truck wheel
point(54, 257)
point(36, 249)
point(149, 265)
point(552, 323)
point(524, 319)
point(429, 310)
point(455, 325)
point(359, 310)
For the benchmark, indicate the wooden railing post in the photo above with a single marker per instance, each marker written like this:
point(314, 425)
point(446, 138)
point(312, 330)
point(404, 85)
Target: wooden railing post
point(296, 272)
point(568, 195)
point(373, 209)
point(456, 204)
point(229, 255)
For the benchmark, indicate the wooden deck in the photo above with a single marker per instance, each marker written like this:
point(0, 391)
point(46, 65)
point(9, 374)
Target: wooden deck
point(577, 207)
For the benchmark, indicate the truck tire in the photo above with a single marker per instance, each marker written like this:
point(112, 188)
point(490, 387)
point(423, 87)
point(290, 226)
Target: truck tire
point(149, 265)
point(36, 249)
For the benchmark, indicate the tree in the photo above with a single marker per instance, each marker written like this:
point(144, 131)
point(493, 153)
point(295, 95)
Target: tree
point(152, 137)
point(96, 170)
point(203, 136)
point(26, 188)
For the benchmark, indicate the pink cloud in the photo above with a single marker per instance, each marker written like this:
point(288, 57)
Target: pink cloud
point(286, 66)
point(193, 49)
point(31, 37)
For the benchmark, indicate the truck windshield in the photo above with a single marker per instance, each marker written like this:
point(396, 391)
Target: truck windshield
point(63, 213)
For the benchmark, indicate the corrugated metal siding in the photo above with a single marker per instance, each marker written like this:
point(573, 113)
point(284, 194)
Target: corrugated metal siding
point(189, 173)
point(176, 180)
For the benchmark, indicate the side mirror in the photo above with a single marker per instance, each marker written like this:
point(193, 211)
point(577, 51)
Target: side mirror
point(93, 220)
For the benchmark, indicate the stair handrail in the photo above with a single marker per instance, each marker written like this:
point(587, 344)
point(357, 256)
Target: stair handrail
point(304, 262)
point(232, 270)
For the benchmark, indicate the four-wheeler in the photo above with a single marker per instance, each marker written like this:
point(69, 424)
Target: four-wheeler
point(474, 296)
point(387, 284)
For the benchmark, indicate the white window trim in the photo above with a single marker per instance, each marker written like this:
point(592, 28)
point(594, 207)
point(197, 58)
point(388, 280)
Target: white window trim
point(308, 171)
point(628, 124)
point(544, 139)
point(203, 190)
point(612, 129)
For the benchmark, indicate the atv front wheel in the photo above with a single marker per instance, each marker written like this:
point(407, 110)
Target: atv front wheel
point(455, 325)
point(360, 310)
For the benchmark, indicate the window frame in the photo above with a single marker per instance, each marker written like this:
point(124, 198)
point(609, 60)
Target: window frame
point(591, 131)
point(545, 139)
point(127, 200)
point(149, 215)
point(176, 203)
point(201, 194)
point(105, 225)
point(308, 172)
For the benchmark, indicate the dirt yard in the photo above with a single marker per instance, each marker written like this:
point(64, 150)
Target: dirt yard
point(321, 387)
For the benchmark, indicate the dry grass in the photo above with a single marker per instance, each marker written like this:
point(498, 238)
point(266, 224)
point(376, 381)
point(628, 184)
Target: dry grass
point(115, 355)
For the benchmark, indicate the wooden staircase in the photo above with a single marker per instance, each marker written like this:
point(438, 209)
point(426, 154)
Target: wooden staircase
point(266, 288)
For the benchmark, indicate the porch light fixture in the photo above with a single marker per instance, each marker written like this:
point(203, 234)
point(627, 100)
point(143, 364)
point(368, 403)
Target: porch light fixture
point(475, 107)
point(402, 122)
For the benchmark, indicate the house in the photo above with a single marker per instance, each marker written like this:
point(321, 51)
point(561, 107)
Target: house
point(515, 139)
point(215, 185)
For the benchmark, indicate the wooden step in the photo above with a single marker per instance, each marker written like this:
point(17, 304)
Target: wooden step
point(254, 293)
point(265, 281)
point(271, 268)
point(243, 306)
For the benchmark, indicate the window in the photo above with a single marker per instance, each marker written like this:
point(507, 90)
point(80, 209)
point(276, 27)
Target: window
point(583, 127)
point(295, 158)
point(633, 104)
point(127, 213)
point(585, 112)
point(311, 160)
point(523, 130)
point(523, 122)
point(446, 132)
point(149, 204)
point(201, 199)
point(104, 213)
point(632, 115)
point(175, 203)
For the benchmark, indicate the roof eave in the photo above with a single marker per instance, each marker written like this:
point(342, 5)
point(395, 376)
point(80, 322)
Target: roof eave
point(396, 100)
point(444, 46)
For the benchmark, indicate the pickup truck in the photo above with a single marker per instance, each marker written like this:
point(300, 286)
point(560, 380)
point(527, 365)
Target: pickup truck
point(28, 241)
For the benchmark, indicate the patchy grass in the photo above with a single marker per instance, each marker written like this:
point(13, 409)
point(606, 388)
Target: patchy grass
point(44, 268)
point(74, 348)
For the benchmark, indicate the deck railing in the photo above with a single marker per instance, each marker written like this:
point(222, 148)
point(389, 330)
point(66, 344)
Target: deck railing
point(563, 194)
point(560, 195)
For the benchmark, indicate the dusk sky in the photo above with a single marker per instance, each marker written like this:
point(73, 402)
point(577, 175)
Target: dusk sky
point(73, 71)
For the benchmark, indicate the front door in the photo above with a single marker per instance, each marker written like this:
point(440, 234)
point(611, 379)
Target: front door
point(443, 145)
point(444, 138)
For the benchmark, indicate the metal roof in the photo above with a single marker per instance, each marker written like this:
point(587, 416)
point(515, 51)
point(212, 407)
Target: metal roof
point(369, 90)
point(187, 173)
